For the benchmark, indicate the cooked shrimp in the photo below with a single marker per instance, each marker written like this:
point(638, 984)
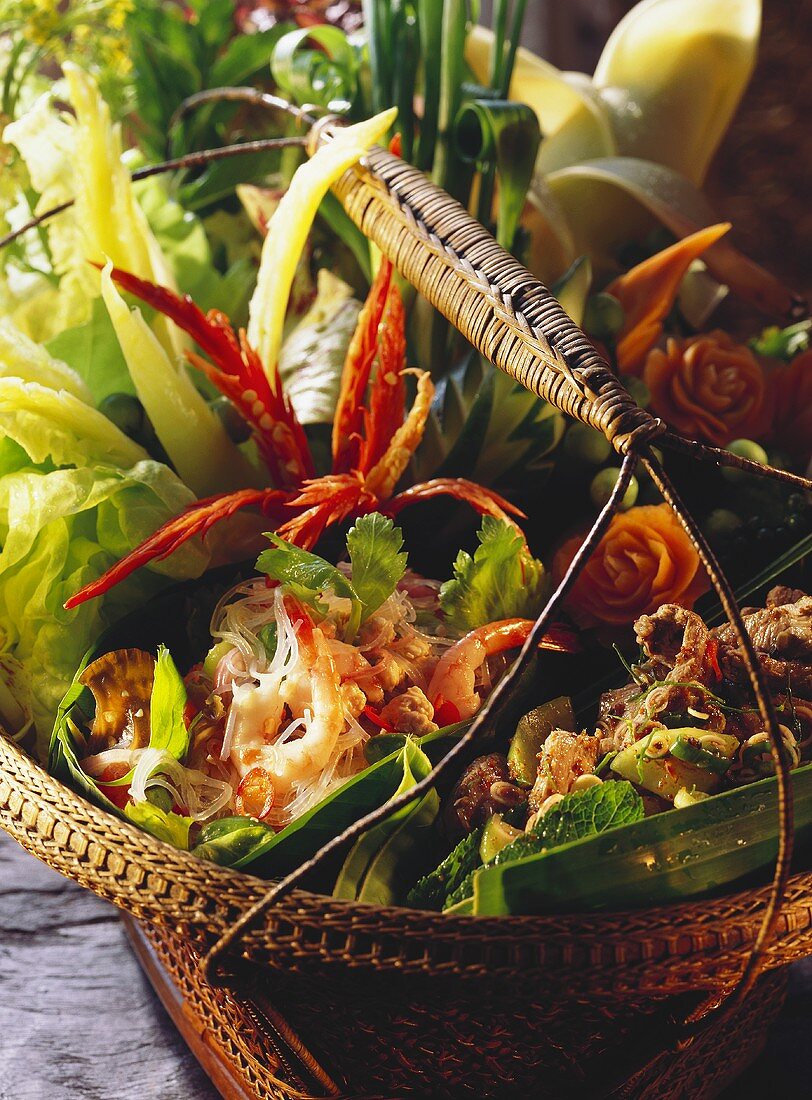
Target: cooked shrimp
point(304, 683)
point(451, 690)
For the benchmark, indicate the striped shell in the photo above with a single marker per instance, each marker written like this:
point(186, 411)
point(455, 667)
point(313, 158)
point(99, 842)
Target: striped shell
point(121, 682)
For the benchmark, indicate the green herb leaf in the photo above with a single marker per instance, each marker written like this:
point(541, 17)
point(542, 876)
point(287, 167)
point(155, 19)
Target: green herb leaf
point(378, 563)
point(501, 581)
point(165, 825)
point(167, 729)
point(783, 343)
point(433, 890)
point(578, 815)
point(288, 564)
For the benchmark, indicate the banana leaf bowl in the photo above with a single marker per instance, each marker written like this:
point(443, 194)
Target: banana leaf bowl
point(323, 997)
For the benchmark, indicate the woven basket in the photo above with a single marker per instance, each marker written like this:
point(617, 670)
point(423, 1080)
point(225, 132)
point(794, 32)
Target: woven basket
point(391, 1001)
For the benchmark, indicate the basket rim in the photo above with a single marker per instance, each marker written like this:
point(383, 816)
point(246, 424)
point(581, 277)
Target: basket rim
point(240, 889)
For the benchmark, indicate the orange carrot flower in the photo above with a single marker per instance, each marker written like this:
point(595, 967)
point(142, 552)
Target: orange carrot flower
point(648, 292)
point(711, 388)
point(645, 559)
point(792, 421)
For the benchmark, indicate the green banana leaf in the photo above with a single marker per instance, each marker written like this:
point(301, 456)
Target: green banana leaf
point(242, 842)
point(722, 842)
point(383, 859)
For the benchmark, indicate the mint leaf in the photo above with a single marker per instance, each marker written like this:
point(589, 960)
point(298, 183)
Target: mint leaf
point(378, 563)
point(433, 890)
point(501, 581)
point(288, 564)
point(167, 728)
point(578, 815)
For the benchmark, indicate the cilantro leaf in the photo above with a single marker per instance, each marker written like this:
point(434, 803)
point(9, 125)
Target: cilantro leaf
point(501, 581)
point(291, 565)
point(167, 728)
point(378, 563)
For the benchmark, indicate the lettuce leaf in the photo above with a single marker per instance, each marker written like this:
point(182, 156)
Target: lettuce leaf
point(21, 357)
point(167, 728)
point(501, 581)
point(431, 891)
point(378, 563)
point(54, 425)
point(92, 350)
point(164, 825)
point(60, 529)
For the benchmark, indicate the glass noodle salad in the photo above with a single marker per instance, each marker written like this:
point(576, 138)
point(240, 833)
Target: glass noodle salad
point(310, 662)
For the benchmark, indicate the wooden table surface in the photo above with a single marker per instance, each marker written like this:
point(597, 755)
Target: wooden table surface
point(78, 1020)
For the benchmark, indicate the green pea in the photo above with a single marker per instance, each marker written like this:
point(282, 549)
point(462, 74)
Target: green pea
point(604, 482)
point(585, 444)
point(744, 448)
point(125, 411)
point(722, 523)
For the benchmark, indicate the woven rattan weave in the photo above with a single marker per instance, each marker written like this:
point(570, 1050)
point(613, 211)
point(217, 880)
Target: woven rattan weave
point(398, 1002)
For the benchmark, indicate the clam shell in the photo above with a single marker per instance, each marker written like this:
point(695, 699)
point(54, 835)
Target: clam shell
point(121, 682)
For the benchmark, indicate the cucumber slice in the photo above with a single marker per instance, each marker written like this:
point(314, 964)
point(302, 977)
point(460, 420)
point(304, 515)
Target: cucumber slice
point(496, 835)
point(531, 733)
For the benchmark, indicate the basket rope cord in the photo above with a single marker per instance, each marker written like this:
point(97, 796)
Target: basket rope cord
point(519, 326)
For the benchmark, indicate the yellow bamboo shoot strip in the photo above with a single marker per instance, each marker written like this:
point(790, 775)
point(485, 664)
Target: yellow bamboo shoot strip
point(193, 437)
point(290, 225)
point(113, 225)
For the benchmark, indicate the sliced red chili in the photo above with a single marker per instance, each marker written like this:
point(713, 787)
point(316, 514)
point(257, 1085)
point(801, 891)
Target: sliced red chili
point(374, 717)
point(446, 713)
point(712, 655)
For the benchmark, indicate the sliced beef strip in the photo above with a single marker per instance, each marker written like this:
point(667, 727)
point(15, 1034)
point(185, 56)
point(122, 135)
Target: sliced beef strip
point(782, 637)
point(484, 788)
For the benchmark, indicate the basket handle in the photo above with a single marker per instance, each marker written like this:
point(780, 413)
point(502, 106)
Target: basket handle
point(519, 326)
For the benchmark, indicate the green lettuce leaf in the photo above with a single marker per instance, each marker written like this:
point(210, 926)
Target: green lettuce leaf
point(167, 826)
point(54, 425)
point(93, 351)
point(167, 728)
point(501, 581)
point(59, 529)
point(378, 562)
point(21, 357)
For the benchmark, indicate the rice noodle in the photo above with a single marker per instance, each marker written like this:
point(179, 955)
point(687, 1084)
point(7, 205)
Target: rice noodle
point(200, 794)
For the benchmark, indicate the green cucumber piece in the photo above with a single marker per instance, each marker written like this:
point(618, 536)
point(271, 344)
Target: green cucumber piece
point(496, 835)
point(691, 752)
point(531, 733)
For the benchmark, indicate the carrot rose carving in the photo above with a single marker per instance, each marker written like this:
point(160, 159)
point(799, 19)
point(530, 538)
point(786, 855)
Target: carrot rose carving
point(709, 387)
point(645, 559)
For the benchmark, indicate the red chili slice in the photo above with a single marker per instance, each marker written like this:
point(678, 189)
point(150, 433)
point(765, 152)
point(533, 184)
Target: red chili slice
point(712, 654)
point(255, 794)
point(373, 716)
point(445, 712)
point(119, 796)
